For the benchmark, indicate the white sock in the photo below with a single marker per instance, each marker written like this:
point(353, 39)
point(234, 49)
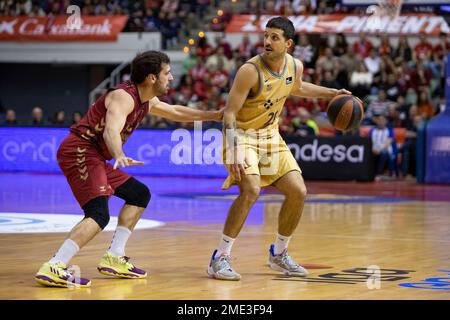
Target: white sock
point(119, 241)
point(66, 252)
point(281, 243)
point(225, 245)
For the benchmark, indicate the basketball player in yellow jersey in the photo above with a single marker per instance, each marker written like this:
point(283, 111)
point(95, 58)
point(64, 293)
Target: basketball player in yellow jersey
point(254, 152)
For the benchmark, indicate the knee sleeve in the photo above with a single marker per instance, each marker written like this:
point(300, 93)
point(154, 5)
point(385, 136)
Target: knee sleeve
point(134, 192)
point(97, 209)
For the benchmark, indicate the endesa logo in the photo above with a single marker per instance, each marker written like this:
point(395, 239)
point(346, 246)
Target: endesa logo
point(35, 151)
point(326, 153)
point(437, 283)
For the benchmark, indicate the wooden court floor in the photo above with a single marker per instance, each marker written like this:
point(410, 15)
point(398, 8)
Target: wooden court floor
point(387, 240)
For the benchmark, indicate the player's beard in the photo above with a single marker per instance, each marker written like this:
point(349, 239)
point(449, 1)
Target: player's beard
point(162, 90)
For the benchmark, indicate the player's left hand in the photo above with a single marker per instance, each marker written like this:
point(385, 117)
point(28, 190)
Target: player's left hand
point(342, 91)
point(218, 115)
point(132, 162)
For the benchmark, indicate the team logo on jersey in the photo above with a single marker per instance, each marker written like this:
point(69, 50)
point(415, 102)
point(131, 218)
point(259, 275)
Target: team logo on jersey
point(288, 80)
point(268, 104)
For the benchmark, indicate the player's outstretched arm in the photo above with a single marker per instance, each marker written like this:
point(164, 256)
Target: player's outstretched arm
point(119, 105)
point(181, 113)
point(309, 90)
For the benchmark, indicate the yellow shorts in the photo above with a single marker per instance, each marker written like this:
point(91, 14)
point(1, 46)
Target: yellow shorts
point(269, 167)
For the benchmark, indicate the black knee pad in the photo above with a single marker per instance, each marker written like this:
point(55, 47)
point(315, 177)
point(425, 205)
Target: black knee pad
point(134, 192)
point(97, 209)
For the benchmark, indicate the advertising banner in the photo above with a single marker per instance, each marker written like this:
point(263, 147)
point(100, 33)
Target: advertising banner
point(164, 152)
point(351, 24)
point(333, 158)
point(188, 153)
point(61, 28)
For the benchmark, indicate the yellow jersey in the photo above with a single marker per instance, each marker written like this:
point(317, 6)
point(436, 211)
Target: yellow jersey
point(262, 110)
point(266, 153)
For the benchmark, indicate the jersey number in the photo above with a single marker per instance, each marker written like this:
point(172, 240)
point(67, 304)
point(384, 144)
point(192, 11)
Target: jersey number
point(272, 117)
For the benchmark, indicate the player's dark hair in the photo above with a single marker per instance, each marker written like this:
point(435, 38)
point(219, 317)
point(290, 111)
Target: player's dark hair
point(284, 24)
point(148, 62)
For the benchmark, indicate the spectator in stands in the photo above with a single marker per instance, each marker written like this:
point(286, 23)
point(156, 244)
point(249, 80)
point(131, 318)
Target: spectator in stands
point(349, 62)
point(37, 117)
point(202, 7)
point(36, 11)
point(403, 109)
point(340, 45)
point(245, 47)
point(411, 96)
point(219, 76)
point(213, 60)
point(269, 8)
point(10, 118)
point(385, 47)
point(199, 71)
point(305, 51)
point(391, 87)
point(384, 147)
point(362, 46)
point(386, 67)
point(304, 6)
point(190, 61)
point(170, 6)
point(303, 125)
point(394, 120)
point(329, 80)
point(422, 50)
point(151, 21)
point(215, 100)
point(327, 62)
point(254, 7)
point(226, 47)
point(426, 109)
point(323, 8)
point(184, 92)
point(373, 62)
point(361, 81)
point(59, 119)
point(204, 49)
point(378, 107)
point(403, 51)
point(76, 117)
point(421, 77)
point(170, 26)
point(408, 150)
point(442, 48)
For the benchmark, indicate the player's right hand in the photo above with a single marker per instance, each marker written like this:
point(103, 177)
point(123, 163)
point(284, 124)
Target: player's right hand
point(125, 161)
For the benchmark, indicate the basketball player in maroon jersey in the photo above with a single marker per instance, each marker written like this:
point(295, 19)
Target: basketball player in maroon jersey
point(82, 157)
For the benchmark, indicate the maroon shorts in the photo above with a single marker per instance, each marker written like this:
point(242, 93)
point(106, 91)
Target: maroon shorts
point(88, 173)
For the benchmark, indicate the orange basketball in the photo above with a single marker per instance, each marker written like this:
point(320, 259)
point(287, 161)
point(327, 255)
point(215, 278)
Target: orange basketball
point(345, 112)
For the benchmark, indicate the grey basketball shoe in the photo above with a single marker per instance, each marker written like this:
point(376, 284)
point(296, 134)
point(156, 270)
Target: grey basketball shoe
point(220, 268)
point(284, 263)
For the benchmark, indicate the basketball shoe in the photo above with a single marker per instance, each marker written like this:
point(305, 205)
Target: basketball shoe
point(220, 268)
point(58, 275)
point(119, 267)
point(283, 262)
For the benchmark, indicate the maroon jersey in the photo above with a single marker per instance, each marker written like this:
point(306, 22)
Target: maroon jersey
point(92, 125)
